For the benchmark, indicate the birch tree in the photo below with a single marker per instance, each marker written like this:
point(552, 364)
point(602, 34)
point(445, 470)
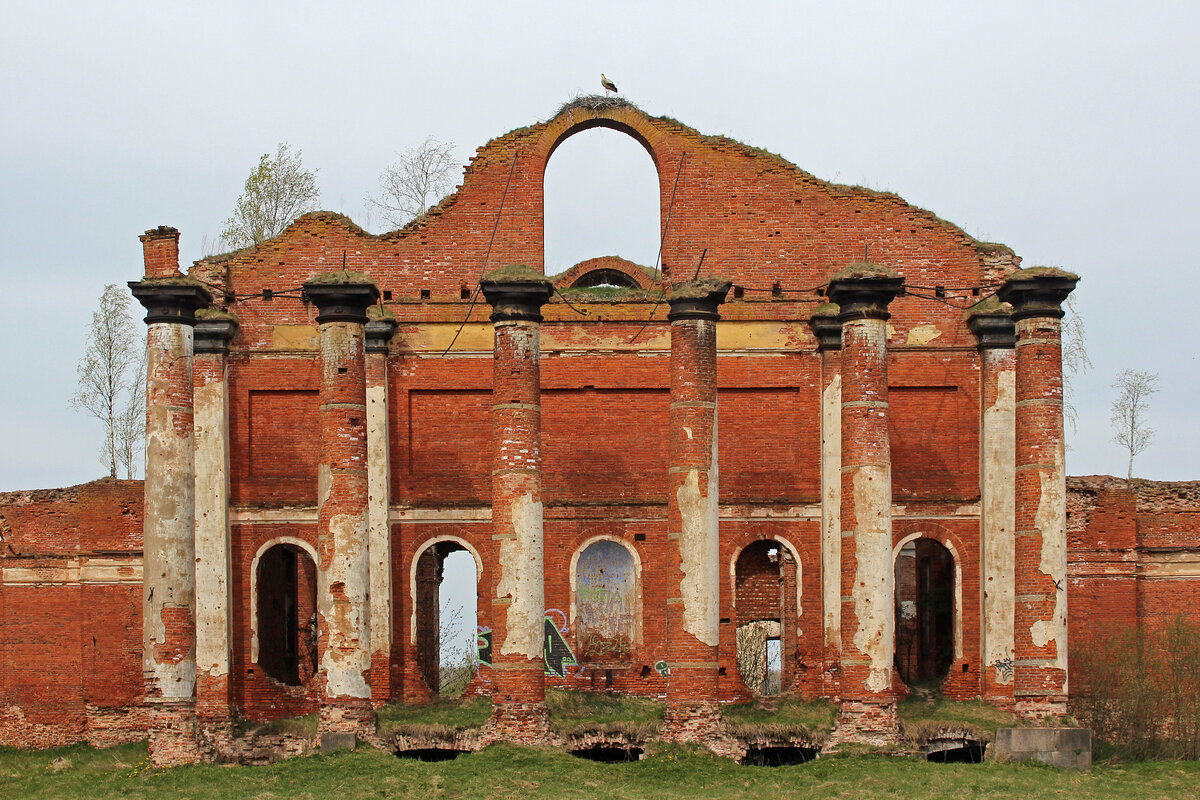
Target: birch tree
point(1128, 417)
point(109, 388)
point(422, 176)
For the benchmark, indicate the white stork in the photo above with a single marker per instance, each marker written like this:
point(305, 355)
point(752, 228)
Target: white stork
point(608, 85)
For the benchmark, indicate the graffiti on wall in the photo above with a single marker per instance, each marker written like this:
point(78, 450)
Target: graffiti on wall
point(605, 592)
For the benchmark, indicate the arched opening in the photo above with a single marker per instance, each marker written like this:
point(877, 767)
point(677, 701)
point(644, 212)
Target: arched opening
point(925, 601)
point(446, 599)
point(765, 581)
point(601, 198)
point(285, 586)
point(604, 277)
point(606, 603)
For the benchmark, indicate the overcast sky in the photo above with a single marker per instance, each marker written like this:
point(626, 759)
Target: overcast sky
point(1067, 130)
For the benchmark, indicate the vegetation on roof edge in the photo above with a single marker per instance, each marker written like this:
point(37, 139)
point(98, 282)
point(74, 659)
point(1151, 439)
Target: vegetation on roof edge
point(378, 311)
point(863, 269)
point(699, 288)
point(991, 305)
point(340, 276)
point(827, 310)
point(210, 313)
point(515, 273)
point(1029, 273)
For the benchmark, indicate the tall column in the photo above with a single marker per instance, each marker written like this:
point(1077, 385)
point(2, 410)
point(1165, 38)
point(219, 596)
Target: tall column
point(213, 333)
point(868, 708)
point(991, 322)
point(169, 568)
point(828, 330)
point(1040, 614)
point(516, 294)
point(343, 563)
point(379, 332)
point(693, 585)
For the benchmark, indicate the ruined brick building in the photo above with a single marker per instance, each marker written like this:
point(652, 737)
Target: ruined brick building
point(856, 464)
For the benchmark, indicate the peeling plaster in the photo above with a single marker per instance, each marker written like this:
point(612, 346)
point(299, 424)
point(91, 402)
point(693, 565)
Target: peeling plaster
point(521, 578)
point(874, 581)
point(998, 523)
point(1051, 520)
point(342, 603)
point(831, 511)
point(339, 346)
point(699, 552)
point(212, 529)
point(380, 540)
point(169, 516)
point(922, 335)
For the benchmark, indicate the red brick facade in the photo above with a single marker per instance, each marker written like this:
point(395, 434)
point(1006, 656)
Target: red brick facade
point(596, 403)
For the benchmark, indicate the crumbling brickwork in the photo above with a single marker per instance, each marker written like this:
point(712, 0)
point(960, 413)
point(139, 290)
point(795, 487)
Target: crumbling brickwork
point(525, 431)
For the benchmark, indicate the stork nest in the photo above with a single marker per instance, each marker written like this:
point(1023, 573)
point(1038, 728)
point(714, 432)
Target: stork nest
point(594, 102)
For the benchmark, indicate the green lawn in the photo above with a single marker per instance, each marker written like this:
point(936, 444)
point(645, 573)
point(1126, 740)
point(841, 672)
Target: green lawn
point(503, 771)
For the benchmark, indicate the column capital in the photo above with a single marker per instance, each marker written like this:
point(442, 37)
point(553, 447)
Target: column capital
point(341, 296)
point(992, 323)
point(516, 292)
point(170, 299)
point(213, 331)
point(1037, 291)
point(380, 328)
point(826, 327)
point(697, 299)
point(863, 291)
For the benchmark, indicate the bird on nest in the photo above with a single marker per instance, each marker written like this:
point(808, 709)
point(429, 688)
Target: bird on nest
point(608, 85)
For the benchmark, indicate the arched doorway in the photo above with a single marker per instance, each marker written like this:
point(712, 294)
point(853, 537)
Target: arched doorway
point(601, 198)
point(285, 587)
point(446, 601)
point(925, 600)
point(765, 581)
point(606, 603)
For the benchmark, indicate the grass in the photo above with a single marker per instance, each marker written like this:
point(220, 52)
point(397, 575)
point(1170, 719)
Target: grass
point(443, 717)
point(573, 712)
point(305, 726)
point(924, 718)
point(504, 771)
point(791, 717)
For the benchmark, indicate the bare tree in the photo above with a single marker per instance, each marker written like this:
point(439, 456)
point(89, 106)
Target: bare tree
point(277, 192)
point(1075, 359)
point(108, 373)
point(1128, 416)
point(131, 423)
point(411, 185)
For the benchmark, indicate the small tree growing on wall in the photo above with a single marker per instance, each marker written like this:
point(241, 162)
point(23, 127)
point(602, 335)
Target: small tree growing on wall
point(277, 192)
point(408, 187)
point(1128, 417)
point(111, 378)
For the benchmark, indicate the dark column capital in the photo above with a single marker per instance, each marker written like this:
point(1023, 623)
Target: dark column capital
point(170, 299)
point(698, 299)
point(213, 332)
point(341, 296)
point(516, 292)
point(992, 323)
point(863, 291)
point(1037, 291)
point(826, 327)
point(379, 333)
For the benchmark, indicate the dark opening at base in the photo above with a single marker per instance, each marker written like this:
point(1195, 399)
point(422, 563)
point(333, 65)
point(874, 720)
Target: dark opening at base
point(609, 755)
point(431, 754)
point(967, 754)
point(778, 756)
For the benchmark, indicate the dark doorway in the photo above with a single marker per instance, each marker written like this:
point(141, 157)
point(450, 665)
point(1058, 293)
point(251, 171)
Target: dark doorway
point(287, 614)
point(924, 611)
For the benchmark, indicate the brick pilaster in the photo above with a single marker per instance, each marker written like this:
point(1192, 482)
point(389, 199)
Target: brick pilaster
point(828, 332)
point(991, 322)
point(693, 577)
point(1040, 611)
point(863, 292)
point(379, 332)
point(169, 568)
point(516, 294)
point(213, 588)
point(343, 581)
